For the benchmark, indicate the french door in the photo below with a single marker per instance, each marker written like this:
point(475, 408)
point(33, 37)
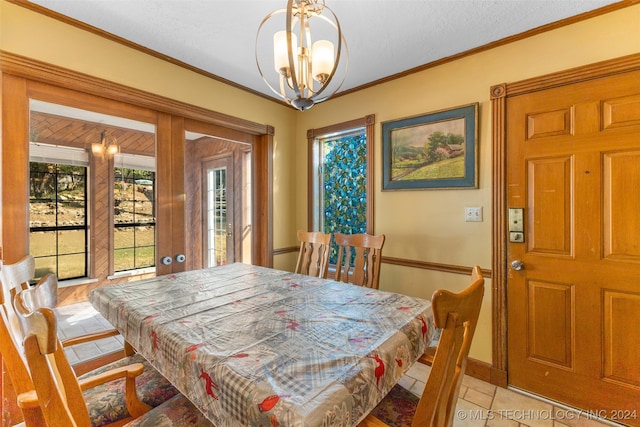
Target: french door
point(151, 178)
point(218, 195)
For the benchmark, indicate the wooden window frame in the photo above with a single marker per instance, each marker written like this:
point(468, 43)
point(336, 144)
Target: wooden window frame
point(314, 135)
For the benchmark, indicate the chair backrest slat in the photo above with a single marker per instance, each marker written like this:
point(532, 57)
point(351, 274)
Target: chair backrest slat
point(313, 258)
point(365, 269)
point(16, 276)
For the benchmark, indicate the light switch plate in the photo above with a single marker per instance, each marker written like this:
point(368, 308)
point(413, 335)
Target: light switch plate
point(473, 214)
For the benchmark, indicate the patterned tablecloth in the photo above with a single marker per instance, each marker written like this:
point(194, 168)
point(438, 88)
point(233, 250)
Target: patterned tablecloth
point(253, 346)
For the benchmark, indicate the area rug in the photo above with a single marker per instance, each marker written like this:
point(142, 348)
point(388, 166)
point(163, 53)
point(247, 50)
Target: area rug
point(397, 408)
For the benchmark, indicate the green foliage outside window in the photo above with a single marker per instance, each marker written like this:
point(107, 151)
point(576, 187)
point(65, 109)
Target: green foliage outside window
point(344, 185)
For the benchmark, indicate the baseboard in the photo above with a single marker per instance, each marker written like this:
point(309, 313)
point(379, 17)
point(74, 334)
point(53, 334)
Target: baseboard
point(475, 368)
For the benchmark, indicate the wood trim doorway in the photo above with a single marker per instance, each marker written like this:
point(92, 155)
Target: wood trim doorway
point(499, 95)
point(25, 69)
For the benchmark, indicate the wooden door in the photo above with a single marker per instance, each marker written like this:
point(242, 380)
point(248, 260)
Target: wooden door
point(573, 162)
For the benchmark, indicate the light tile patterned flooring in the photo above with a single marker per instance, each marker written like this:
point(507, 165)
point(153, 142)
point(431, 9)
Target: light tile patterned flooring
point(79, 319)
point(480, 404)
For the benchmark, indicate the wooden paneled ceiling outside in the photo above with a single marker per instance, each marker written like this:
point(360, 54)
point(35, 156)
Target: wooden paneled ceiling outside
point(52, 129)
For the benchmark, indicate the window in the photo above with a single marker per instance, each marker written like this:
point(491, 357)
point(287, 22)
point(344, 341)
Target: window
point(340, 178)
point(58, 210)
point(134, 216)
point(92, 209)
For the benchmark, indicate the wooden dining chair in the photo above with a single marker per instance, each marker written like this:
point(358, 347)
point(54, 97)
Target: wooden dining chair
point(15, 365)
point(313, 258)
point(359, 257)
point(17, 276)
point(457, 315)
point(153, 388)
point(61, 396)
point(45, 294)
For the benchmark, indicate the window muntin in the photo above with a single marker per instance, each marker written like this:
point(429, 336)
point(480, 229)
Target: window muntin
point(58, 219)
point(134, 214)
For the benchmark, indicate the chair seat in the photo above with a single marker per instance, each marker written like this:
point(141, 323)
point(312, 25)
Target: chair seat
point(106, 403)
point(176, 412)
point(397, 408)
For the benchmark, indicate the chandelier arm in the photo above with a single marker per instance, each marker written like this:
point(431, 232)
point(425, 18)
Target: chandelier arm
point(266, 18)
point(289, 29)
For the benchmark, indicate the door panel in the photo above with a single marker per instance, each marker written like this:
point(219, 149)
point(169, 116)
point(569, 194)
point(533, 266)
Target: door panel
point(550, 323)
point(620, 210)
point(549, 184)
point(621, 359)
point(573, 165)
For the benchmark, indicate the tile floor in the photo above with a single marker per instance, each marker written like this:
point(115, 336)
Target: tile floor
point(480, 404)
point(80, 319)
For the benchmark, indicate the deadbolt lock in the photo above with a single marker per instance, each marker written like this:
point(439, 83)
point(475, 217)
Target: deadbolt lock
point(516, 225)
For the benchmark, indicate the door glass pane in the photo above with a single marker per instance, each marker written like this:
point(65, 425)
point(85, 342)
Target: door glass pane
point(217, 216)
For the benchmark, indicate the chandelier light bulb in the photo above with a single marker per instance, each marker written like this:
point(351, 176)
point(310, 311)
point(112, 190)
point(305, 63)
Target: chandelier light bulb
point(281, 52)
point(322, 60)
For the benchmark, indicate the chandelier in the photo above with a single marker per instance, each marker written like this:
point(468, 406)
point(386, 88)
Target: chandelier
point(306, 72)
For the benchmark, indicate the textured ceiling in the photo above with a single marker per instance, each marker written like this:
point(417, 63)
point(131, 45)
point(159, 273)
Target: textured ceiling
point(385, 37)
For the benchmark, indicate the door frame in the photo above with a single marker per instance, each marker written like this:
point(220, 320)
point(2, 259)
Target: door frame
point(16, 71)
point(499, 96)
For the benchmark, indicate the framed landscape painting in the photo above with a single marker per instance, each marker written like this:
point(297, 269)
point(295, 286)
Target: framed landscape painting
point(432, 151)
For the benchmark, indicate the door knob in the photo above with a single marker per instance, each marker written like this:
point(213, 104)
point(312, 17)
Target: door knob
point(517, 265)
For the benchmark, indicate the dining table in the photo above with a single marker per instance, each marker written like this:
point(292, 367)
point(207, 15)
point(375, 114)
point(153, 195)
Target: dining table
point(256, 346)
